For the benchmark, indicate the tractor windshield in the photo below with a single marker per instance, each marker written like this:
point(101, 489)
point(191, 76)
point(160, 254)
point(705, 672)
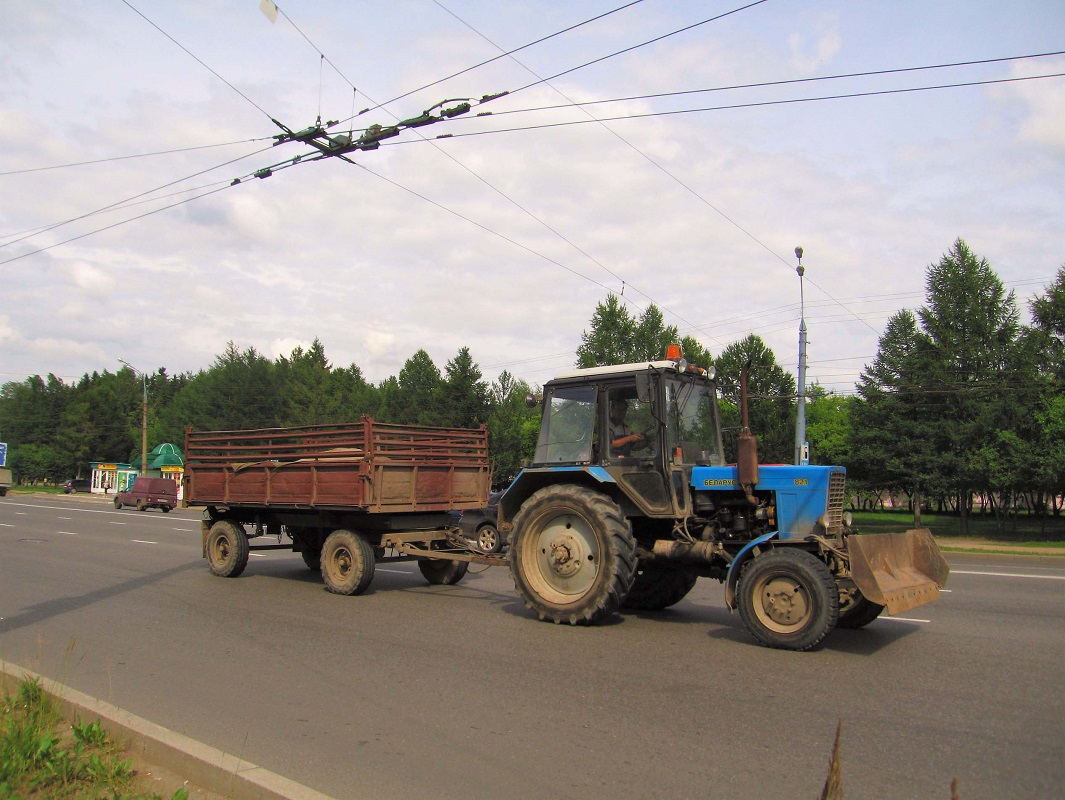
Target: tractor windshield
point(568, 427)
point(692, 421)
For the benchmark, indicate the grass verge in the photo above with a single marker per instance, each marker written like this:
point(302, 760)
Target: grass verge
point(1020, 531)
point(44, 756)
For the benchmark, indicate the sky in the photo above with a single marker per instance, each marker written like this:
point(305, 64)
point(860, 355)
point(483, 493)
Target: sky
point(132, 227)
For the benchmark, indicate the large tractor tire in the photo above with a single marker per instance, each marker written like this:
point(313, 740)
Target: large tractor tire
point(572, 555)
point(659, 586)
point(347, 563)
point(858, 611)
point(788, 599)
point(227, 549)
point(441, 572)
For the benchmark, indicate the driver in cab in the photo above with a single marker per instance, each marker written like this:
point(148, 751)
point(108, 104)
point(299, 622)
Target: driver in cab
point(622, 438)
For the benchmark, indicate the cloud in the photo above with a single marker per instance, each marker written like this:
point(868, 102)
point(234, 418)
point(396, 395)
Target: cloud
point(812, 50)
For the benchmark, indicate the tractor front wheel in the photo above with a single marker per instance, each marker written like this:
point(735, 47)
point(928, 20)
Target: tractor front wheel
point(788, 599)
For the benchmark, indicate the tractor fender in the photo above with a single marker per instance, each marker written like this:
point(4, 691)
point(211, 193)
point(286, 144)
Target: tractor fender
point(531, 480)
point(742, 557)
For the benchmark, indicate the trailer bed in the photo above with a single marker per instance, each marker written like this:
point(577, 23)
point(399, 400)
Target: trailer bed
point(364, 466)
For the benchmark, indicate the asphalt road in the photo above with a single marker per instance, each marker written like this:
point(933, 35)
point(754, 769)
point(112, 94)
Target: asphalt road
point(458, 692)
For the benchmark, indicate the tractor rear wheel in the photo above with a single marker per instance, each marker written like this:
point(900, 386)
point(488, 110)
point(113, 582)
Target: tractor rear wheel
point(788, 599)
point(572, 555)
point(858, 612)
point(659, 586)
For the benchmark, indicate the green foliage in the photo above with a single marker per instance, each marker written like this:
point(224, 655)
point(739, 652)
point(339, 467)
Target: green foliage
point(829, 426)
point(616, 337)
point(961, 397)
point(37, 760)
point(771, 400)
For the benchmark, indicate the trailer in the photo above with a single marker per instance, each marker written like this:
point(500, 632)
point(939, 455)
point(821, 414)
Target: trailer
point(346, 496)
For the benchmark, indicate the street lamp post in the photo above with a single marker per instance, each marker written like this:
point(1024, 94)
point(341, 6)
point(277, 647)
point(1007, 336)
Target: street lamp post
point(144, 417)
point(802, 447)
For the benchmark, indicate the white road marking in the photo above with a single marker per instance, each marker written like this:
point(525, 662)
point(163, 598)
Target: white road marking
point(6, 525)
point(117, 523)
point(905, 619)
point(257, 555)
point(68, 533)
point(143, 541)
point(396, 571)
point(1008, 575)
point(66, 518)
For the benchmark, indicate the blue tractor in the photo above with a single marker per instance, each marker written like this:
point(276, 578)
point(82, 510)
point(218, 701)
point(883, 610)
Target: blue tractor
point(629, 501)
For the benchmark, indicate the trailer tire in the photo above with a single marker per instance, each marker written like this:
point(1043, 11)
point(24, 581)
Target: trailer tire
point(118, 504)
point(572, 555)
point(659, 586)
point(859, 612)
point(309, 546)
point(347, 563)
point(227, 549)
point(788, 599)
point(441, 572)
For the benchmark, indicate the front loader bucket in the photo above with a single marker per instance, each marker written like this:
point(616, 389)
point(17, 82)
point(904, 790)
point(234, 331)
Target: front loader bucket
point(898, 570)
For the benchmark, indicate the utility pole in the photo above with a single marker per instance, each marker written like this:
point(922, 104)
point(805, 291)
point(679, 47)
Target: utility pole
point(802, 447)
point(144, 417)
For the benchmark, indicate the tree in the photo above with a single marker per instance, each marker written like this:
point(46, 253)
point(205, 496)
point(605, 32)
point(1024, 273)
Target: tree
point(944, 401)
point(464, 396)
point(615, 337)
point(305, 383)
point(610, 337)
point(512, 427)
point(891, 441)
point(417, 399)
point(771, 395)
point(828, 426)
point(972, 324)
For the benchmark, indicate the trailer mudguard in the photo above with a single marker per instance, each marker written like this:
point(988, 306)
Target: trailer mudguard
point(742, 557)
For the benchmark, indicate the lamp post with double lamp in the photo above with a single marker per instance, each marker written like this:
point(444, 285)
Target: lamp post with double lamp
point(144, 417)
point(802, 447)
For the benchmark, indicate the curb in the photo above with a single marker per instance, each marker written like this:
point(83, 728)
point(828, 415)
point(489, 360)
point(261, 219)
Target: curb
point(206, 767)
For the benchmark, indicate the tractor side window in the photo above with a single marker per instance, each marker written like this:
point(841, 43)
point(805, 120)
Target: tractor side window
point(693, 428)
point(630, 424)
point(568, 427)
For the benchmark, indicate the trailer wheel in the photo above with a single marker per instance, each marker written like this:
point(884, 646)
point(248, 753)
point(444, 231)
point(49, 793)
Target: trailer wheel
point(659, 586)
point(572, 555)
point(788, 599)
point(859, 612)
point(309, 545)
point(118, 504)
point(313, 559)
point(347, 563)
point(441, 572)
point(227, 549)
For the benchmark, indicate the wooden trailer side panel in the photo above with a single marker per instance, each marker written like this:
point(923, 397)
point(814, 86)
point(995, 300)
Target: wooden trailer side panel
point(365, 465)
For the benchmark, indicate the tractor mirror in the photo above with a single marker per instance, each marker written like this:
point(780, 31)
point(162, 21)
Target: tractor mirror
point(643, 388)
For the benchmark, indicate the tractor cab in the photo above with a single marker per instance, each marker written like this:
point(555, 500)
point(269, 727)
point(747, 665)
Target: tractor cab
point(634, 431)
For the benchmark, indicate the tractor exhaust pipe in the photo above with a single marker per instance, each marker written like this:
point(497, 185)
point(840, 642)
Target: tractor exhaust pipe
point(746, 445)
